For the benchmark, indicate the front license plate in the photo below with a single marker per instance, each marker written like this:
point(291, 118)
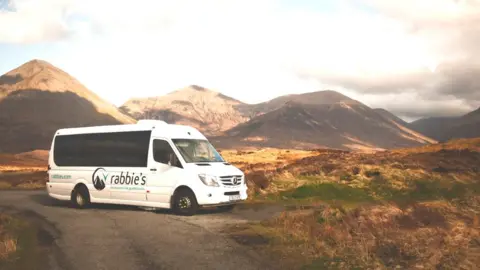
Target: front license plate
point(234, 198)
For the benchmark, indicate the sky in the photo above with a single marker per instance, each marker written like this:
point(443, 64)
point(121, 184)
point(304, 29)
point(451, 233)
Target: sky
point(415, 58)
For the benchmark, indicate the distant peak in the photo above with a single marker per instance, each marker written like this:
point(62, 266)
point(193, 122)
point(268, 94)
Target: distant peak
point(334, 93)
point(292, 103)
point(477, 111)
point(38, 62)
point(198, 88)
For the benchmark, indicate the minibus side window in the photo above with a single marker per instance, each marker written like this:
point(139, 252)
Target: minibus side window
point(163, 153)
point(103, 149)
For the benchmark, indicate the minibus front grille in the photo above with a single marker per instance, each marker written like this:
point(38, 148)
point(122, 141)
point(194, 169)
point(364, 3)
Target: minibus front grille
point(231, 180)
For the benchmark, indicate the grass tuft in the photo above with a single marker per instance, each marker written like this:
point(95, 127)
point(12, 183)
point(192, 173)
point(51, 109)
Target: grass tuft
point(329, 192)
point(8, 241)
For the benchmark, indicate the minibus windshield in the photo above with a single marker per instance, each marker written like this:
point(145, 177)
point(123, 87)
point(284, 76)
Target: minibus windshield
point(197, 151)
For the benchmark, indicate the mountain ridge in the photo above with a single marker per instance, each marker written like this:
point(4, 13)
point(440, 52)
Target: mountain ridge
point(314, 119)
point(38, 98)
point(205, 109)
point(447, 128)
point(339, 123)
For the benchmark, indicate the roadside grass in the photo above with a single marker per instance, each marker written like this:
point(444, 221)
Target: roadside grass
point(29, 180)
point(10, 168)
point(329, 192)
point(265, 155)
point(8, 241)
point(438, 234)
point(457, 144)
point(24, 170)
point(19, 246)
point(5, 185)
point(408, 209)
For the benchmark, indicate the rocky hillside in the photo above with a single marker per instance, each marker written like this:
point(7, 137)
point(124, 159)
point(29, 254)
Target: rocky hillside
point(319, 119)
point(207, 110)
point(390, 116)
point(38, 98)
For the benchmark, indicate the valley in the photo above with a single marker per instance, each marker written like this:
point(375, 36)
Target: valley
point(332, 182)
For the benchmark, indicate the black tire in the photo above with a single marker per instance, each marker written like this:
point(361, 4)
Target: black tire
point(80, 197)
point(185, 203)
point(227, 208)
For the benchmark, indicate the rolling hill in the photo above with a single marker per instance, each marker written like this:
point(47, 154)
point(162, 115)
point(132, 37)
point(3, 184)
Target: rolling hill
point(446, 128)
point(38, 98)
point(209, 111)
point(316, 120)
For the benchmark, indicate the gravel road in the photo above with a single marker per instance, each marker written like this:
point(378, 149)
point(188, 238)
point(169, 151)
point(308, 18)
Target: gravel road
point(122, 237)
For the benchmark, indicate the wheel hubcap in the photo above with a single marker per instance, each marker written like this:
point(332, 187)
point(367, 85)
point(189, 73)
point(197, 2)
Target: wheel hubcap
point(184, 203)
point(79, 199)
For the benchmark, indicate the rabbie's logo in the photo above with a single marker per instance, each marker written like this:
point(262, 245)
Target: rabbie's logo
point(101, 177)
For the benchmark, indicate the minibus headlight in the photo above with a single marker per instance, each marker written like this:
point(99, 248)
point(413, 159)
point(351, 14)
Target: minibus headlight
point(209, 180)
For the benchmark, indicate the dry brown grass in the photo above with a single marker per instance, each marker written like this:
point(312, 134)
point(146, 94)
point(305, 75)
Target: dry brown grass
point(24, 170)
point(5, 185)
point(29, 161)
point(273, 170)
point(8, 242)
point(260, 165)
point(423, 236)
point(23, 180)
point(23, 243)
point(408, 208)
point(458, 144)
point(267, 157)
point(9, 168)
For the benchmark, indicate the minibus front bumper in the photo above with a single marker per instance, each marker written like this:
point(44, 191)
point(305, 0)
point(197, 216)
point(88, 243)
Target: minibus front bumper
point(218, 196)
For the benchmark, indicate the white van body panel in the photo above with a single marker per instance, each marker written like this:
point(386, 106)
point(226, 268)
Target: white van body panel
point(152, 185)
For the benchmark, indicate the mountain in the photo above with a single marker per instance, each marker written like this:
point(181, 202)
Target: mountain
point(434, 127)
point(313, 98)
point(390, 116)
point(209, 111)
point(467, 126)
point(38, 98)
point(446, 128)
point(319, 119)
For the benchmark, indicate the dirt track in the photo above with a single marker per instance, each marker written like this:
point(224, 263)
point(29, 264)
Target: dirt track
point(117, 237)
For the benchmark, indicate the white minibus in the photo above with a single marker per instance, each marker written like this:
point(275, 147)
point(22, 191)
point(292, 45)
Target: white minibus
point(149, 164)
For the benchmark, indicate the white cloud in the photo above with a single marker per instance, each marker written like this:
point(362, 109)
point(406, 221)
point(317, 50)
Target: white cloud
point(254, 50)
point(30, 21)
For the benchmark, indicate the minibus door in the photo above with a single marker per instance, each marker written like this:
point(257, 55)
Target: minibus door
point(165, 168)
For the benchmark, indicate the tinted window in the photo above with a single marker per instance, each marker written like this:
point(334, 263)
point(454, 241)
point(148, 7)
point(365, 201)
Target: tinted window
point(163, 153)
point(117, 149)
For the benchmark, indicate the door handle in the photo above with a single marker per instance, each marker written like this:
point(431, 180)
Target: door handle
point(153, 169)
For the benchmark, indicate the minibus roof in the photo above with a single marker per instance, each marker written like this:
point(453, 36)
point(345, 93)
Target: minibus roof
point(159, 129)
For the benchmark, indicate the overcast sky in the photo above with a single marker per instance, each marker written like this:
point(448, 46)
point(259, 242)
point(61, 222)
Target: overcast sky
point(416, 58)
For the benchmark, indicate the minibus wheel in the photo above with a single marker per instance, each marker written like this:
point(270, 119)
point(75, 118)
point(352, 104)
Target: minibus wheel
point(185, 203)
point(80, 197)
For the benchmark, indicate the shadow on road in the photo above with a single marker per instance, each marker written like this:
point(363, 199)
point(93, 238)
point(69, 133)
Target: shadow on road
point(47, 201)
